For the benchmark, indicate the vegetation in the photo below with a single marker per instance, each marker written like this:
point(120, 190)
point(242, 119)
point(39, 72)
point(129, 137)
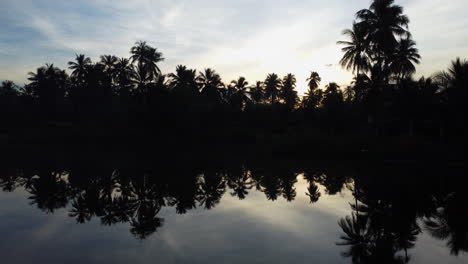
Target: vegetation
point(131, 97)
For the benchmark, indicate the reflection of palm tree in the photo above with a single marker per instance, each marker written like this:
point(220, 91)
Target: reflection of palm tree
point(313, 192)
point(49, 192)
point(449, 222)
point(212, 188)
point(357, 238)
point(240, 183)
point(146, 222)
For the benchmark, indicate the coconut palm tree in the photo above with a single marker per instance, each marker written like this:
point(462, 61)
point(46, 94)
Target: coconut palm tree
point(210, 84)
point(313, 81)
point(355, 56)
point(384, 22)
point(257, 92)
point(312, 97)
point(109, 62)
point(403, 60)
point(183, 80)
point(79, 67)
point(272, 87)
point(49, 84)
point(288, 92)
point(147, 59)
point(124, 74)
point(239, 92)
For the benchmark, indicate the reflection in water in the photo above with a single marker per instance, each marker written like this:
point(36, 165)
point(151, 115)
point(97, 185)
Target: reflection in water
point(390, 209)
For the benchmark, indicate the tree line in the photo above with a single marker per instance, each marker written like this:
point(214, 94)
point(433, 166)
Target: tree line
point(133, 92)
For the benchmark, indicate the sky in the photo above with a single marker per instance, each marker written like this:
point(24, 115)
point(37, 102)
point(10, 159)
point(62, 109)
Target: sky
point(249, 38)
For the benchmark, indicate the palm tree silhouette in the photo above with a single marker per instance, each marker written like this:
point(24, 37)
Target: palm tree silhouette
point(238, 92)
point(355, 56)
point(312, 98)
point(210, 84)
point(257, 92)
point(288, 92)
point(183, 81)
point(272, 86)
point(383, 21)
point(79, 67)
point(147, 59)
point(404, 58)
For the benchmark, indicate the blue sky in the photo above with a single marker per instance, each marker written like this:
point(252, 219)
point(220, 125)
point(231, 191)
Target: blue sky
point(238, 37)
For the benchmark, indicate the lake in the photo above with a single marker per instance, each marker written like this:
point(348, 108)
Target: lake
point(233, 212)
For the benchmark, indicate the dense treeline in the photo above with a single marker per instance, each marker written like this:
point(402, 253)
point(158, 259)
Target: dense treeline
point(132, 97)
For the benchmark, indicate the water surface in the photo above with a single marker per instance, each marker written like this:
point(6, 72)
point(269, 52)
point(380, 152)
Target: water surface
point(269, 212)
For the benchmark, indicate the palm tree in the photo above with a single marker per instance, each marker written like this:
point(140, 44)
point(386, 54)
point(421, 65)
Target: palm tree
point(183, 80)
point(355, 56)
point(313, 96)
point(272, 86)
point(8, 89)
point(147, 58)
point(454, 83)
point(313, 81)
point(257, 92)
point(239, 92)
point(210, 84)
point(50, 85)
point(404, 58)
point(384, 21)
point(124, 73)
point(109, 62)
point(79, 67)
point(288, 92)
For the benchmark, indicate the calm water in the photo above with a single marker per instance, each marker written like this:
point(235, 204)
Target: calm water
point(233, 213)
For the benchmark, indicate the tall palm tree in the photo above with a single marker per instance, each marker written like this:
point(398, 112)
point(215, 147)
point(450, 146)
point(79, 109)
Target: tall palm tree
point(312, 96)
point(210, 84)
point(257, 92)
point(50, 85)
point(288, 92)
point(183, 80)
point(355, 56)
point(272, 86)
point(124, 74)
point(313, 81)
point(403, 60)
point(384, 22)
point(239, 92)
point(79, 67)
point(146, 58)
